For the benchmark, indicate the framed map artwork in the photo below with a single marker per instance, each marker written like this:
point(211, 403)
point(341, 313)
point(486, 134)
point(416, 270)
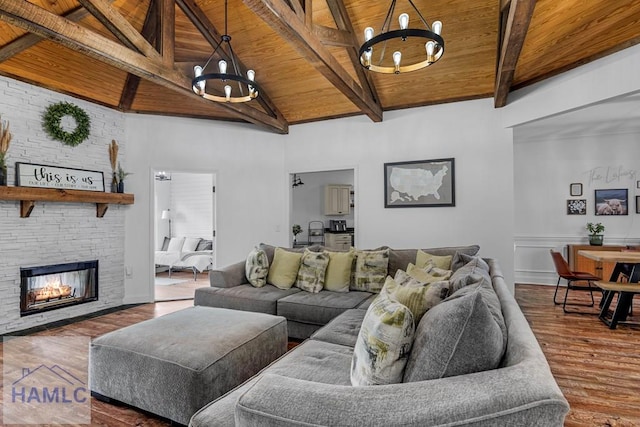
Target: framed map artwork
point(419, 184)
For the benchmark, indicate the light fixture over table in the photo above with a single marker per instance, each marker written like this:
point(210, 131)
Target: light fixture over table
point(413, 48)
point(224, 82)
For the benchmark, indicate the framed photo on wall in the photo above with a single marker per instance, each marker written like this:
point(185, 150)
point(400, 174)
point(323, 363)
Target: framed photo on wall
point(612, 202)
point(575, 189)
point(638, 204)
point(577, 207)
point(419, 183)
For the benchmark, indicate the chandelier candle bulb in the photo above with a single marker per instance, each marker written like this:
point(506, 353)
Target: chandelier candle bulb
point(227, 92)
point(430, 47)
point(397, 56)
point(222, 65)
point(368, 34)
point(200, 86)
point(404, 21)
point(437, 27)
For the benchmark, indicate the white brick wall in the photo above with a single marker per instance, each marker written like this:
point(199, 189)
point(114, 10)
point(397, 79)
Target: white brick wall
point(58, 232)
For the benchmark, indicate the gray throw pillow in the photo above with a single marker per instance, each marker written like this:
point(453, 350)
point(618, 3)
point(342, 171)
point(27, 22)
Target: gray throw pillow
point(165, 244)
point(257, 267)
point(205, 245)
point(490, 297)
point(460, 259)
point(469, 274)
point(456, 337)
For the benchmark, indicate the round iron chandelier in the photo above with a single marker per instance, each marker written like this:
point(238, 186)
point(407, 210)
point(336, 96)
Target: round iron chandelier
point(402, 39)
point(220, 83)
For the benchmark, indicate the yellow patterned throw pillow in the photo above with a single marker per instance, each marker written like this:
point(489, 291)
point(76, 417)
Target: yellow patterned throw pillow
point(311, 275)
point(338, 275)
point(284, 268)
point(257, 267)
point(428, 274)
point(416, 296)
point(443, 262)
point(371, 270)
point(384, 343)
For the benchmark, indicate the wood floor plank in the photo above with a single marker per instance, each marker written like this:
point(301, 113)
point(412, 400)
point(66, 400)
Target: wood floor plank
point(597, 369)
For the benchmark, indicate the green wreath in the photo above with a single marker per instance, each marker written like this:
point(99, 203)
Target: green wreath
point(53, 116)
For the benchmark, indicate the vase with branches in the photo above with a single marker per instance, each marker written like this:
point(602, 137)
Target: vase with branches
point(296, 229)
point(5, 140)
point(113, 158)
point(121, 176)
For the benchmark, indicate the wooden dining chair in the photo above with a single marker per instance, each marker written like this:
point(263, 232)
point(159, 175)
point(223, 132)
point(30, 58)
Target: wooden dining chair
point(564, 272)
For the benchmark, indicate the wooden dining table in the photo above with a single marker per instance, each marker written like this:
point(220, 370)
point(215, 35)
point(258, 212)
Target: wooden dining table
point(628, 263)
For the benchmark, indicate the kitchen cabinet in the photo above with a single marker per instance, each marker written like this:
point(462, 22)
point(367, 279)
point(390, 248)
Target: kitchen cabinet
point(337, 199)
point(338, 241)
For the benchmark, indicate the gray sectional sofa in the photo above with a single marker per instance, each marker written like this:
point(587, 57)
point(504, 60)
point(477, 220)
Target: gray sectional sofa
point(305, 312)
point(310, 385)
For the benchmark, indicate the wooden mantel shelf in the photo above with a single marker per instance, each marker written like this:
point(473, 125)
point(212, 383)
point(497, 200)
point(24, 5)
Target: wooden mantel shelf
point(29, 195)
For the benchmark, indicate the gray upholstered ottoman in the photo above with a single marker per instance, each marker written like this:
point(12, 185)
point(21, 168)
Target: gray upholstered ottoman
point(175, 364)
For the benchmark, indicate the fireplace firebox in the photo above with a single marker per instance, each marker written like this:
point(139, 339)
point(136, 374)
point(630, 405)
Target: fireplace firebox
point(55, 286)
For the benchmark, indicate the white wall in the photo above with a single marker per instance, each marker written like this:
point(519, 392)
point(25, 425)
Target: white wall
point(250, 186)
point(192, 205)
point(307, 201)
point(470, 132)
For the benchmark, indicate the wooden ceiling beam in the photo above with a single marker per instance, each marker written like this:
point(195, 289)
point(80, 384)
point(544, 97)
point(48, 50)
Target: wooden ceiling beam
point(520, 13)
point(167, 31)
point(34, 19)
point(28, 40)
point(150, 34)
point(343, 21)
point(296, 7)
point(332, 37)
point(204, 25)
point(285, 22)
point(119, 26)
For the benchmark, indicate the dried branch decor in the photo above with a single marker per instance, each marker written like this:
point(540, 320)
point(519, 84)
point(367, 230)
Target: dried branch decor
point(5, 140)
point(53, 116)
point(113, 154)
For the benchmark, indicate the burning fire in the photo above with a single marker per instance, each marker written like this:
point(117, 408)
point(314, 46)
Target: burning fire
point(52, 290)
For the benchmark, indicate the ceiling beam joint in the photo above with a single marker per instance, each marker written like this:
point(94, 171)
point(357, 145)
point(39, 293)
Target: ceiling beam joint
point(284, 21)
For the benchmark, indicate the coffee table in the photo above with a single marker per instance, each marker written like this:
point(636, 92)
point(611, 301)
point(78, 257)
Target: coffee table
point(175, 364)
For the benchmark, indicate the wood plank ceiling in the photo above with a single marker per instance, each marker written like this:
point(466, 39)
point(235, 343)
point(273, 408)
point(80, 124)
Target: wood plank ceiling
point(138, 56)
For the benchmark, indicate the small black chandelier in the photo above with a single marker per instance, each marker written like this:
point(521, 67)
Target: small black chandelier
point(222, 81)
point(430, 36)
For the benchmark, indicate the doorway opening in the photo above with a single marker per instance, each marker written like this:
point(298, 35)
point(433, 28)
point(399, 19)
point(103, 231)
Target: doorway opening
point(184, 233)
point(323, 205)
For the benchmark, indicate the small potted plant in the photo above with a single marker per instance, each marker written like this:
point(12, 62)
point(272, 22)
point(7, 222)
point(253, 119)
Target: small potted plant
point(121, 176)
point(595, 233)
point(296, 229)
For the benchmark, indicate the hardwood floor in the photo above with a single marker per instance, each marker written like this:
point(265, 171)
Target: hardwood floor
point(184, 290)
point(598, 369)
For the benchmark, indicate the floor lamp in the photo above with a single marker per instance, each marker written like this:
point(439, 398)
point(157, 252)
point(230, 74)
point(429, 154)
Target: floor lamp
point(166, 214)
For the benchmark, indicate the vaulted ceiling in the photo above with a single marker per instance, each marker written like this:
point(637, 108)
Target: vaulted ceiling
point(138, 55)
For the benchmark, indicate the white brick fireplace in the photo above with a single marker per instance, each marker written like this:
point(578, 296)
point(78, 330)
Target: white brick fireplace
point(57, 233)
